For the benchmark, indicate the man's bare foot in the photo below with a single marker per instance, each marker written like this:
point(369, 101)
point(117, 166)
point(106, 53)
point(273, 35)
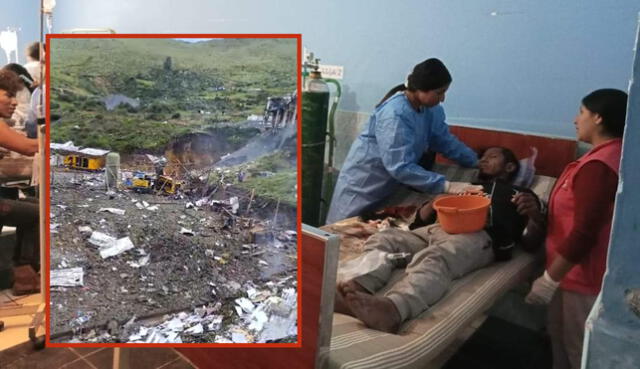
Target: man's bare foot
point(351, 286)
point(374, 311)
point(340, 305)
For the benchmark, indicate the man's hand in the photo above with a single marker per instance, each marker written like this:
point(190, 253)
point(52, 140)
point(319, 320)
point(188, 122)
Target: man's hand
point(426, 210)
point(542, 290)
point(527, 204)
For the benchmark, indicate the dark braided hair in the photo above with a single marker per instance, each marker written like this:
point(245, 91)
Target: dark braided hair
point(431, 74)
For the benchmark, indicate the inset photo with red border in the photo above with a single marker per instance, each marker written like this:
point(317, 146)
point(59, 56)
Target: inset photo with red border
point(174, 193)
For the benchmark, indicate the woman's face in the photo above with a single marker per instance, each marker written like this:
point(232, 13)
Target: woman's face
point(431, 98)
point(8, 104)
point(586, 123)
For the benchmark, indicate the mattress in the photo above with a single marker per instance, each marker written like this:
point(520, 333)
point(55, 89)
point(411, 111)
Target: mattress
point(422, 342)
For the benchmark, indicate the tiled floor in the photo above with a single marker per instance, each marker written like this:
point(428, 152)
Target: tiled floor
point(24, 357)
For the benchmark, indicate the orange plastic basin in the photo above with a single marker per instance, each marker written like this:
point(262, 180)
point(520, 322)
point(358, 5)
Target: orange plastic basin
point(462, 214)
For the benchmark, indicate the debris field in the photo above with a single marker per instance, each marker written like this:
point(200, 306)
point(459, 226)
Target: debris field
point(132, 267)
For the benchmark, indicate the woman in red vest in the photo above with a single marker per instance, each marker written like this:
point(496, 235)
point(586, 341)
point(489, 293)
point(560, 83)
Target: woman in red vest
point(579, 223)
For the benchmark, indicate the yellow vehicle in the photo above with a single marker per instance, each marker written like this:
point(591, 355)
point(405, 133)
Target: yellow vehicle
point(167, 184)
point(141, 182)
point(84, 162)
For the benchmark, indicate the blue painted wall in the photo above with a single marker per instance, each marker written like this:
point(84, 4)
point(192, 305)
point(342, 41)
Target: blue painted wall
point(23, 15)
point(519, 65)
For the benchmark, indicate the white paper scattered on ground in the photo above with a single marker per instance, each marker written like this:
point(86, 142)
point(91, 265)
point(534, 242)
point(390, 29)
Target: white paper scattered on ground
point(196, 329)
point(245, 304)
point(140, 263)
point(70, 277)
point(120, 246)
point(112, 211)
point(188, 232)
point(85, 229)
point(267, 316)
point(101, 239)
point(240, 336)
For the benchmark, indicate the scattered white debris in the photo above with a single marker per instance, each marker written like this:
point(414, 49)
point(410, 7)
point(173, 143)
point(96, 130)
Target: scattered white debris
point(112, 211)
point(292, 234)
point(279, 326)
point(239, 335)
point(70, 277)
point(153, 208)
point(202, 202)
point(175, 324)
point(258, 319)
point(196, 329)
point(251, 293)
point(120, 246)
point(140, 263)
point(189, 205)
point(245, 304)
point(139, 206)
point(188, 232)
point(273, 318)
point(101, 239)
point(145, 204)
point(215, 324)
point(235, 204)
point(262, 262)
point(138, 336)
point(85, 229)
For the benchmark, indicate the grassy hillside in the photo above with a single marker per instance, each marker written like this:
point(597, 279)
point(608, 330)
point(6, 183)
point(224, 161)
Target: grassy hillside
point(181, 87)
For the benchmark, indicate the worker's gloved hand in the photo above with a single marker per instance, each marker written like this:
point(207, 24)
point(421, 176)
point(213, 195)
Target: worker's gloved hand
point(457, 188)
point(542, 290)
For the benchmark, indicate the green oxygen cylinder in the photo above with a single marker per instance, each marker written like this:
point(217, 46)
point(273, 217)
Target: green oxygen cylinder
point(315, 108)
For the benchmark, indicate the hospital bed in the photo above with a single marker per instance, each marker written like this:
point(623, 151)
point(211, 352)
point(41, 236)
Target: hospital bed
point(432, 338)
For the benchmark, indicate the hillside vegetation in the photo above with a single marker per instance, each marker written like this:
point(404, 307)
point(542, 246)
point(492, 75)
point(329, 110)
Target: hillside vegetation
point(181, 87)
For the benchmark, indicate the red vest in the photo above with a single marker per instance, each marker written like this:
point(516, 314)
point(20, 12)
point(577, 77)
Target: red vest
point(586, 276)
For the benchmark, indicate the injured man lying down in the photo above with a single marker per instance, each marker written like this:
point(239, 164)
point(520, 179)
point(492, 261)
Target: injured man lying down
point(434, 258)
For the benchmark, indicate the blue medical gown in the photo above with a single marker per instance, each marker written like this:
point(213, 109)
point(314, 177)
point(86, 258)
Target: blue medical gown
point(386, 154)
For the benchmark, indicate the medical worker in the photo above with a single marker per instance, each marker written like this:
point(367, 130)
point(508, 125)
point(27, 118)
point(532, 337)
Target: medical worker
point(579, 224)
point(405, 124)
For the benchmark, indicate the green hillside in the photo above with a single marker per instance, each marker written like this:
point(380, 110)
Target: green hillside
point(181, 86)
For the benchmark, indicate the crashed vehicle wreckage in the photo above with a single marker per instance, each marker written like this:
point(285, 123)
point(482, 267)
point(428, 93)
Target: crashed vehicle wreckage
point(203, 263)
